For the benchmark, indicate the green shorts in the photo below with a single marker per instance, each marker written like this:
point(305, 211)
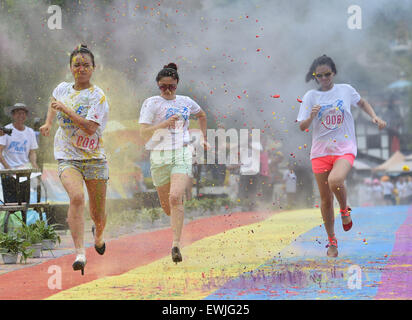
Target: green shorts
point(164, 163)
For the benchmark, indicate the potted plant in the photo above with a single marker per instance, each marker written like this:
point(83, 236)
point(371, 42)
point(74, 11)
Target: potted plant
point(11, 245)
point(33, 236)
point(48, 234)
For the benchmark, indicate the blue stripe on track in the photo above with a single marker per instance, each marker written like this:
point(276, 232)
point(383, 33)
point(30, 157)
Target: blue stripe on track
point(302, 270)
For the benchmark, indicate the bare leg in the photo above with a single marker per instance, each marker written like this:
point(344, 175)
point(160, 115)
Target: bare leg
point(177, 189)
point(326, 207)
point(336, 181)
point(164, 193)
point(72, 181)
point(97, 205)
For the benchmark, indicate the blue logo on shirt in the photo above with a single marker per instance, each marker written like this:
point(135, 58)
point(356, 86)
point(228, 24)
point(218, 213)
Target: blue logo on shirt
point(80, 109)
point(172, 111)
point(339, 104)
point(17, 147)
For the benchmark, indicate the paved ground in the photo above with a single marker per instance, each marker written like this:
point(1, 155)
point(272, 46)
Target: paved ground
point(243, 255)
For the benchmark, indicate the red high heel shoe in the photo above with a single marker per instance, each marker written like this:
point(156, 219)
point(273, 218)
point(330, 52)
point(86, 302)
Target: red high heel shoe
point(346, 213)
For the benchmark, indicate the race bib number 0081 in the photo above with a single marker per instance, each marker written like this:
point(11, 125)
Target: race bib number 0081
point(88, 143)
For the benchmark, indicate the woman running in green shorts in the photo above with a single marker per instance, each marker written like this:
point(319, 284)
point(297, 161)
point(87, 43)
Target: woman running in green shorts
point(164, 123)
point(82, 112)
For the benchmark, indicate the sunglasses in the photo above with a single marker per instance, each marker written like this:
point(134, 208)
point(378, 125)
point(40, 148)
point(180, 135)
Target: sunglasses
point(321, 75)
point(171, 87)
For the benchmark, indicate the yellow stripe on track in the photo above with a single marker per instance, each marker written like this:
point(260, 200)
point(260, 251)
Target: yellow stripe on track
point(207, 263)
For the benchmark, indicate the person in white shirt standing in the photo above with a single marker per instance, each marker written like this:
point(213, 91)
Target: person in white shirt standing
point(333, 140)
point(82, 112)
point(388, 188)
point(17, 150)
point(249, 177)
point(377, 192)
point(289, 178)
point(401, 185)
point(409, 190)
point(164, 123)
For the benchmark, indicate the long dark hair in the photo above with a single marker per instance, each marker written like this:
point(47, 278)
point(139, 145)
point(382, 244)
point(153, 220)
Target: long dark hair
point(169, 70)
point(81, 48)
point(322, 60)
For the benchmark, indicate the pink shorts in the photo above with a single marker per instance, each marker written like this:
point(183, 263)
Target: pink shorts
point(324, 164)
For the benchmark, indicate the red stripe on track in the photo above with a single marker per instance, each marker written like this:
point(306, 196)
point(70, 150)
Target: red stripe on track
point(122, 255)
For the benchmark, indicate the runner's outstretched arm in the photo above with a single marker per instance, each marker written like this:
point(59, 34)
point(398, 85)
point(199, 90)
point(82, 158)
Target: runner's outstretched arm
point(366, 107)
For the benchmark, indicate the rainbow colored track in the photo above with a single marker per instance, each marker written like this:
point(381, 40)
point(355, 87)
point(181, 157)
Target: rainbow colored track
point(243, 255)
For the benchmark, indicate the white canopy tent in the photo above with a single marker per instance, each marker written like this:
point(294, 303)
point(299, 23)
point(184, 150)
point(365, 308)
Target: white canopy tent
point(396, 158)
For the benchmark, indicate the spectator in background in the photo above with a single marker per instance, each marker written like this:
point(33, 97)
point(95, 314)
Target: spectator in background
point(401, 185)
point(289, 178)
point(365, 193)
point(387, 189)
point(217, 170)
point(233, 178)
point(17, 150)
point(409, 190)
point(377, 192)
point(249, 178)
point(265, 179)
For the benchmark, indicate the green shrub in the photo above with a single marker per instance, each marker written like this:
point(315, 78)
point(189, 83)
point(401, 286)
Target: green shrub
point(191, 205)
point(11, 243)
point(150, 214)
point(29, 233)
point(46, 231)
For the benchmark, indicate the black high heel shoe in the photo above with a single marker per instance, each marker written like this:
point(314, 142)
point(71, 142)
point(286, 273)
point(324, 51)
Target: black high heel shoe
point(176, 255)
point(102, 249)
point(79, 263)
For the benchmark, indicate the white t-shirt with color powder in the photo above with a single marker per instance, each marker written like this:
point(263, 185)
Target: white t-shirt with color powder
point(18, 146)
point(157, 109)
point(333, 127)
point(71, 142)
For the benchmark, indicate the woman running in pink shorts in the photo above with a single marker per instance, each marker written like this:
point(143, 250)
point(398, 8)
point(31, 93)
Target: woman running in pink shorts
point(333, 141)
